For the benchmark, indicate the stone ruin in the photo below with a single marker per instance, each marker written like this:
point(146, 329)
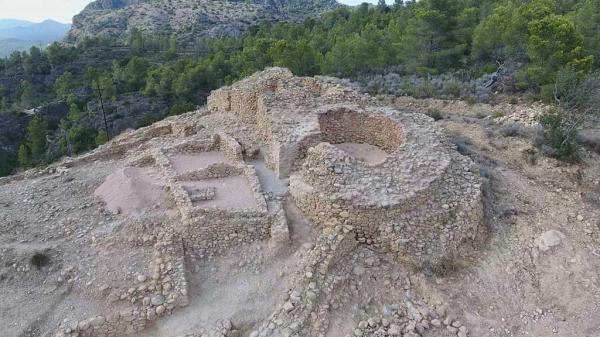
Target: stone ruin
point(364, 174)
point(390, 176)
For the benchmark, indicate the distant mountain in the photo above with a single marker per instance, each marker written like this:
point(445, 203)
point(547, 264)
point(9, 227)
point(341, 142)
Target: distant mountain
point(188, 19)
point(48, 30)
point(21, 35)
point(12, 23)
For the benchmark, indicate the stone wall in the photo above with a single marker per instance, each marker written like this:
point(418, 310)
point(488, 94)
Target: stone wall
point(153, 296)
point(348, 126)
point(204, 230)
point(422, 204)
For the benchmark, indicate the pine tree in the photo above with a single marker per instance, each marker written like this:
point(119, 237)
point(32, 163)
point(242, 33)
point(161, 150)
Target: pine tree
point(32, 152)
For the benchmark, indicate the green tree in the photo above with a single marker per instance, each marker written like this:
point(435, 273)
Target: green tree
point(3, 98)
point(101, 138)
point(36, 63)
point(32, 151)
point(501, 35)
point(107, 87)
point(26, 94)
point(65, 84)
point(59, 54)
point(7, 164)
point(133, 75)
point(160, 82)
point(300, 57)
point(554, 44)
point(431, 42)
point(586, 16)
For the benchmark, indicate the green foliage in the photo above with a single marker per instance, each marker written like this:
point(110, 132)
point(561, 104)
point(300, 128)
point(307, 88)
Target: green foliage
point(64, 85)
point(32, 151)
point(132, 76)
point(81, 139)
point(181, 107)
point(147, 120)
point(101, 138)
point(453, 89)
point(423, 90)
point(26, 95)
point(300, 57)
point(435, 113)
point(553, 44)
point(59, 54)
point(501, 35)
point(160, 82)
point(3, 99)
point(101, 84)
point(36, 63)
point(560, 134)
point(7, 164)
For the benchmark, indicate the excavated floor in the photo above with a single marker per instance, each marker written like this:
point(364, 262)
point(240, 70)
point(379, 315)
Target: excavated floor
point(183, 163)
point(231, 193)
point(364, 152)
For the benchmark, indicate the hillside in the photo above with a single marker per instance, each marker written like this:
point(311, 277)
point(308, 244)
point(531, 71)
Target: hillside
point(21, 35)
point(201, 225)
point(187, 19)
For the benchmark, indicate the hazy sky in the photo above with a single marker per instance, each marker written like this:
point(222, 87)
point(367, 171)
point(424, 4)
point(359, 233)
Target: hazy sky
point(63, 10)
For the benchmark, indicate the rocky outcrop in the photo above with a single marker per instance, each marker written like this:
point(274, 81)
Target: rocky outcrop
point(187, 19)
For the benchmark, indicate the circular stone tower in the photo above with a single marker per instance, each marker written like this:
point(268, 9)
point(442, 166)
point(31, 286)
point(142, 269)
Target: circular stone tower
point(393, 179)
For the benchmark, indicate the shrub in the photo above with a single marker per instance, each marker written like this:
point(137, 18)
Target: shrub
point(498, 114)
point(435, 113)
point(101, 138)
point(181, 107)
point(423, 90)
point(40, 260)
point(560, 135)
point(7, 164)
point(547, 93)
point(147, 120)
point(471, 100)
point(453, 89)
point(513, 130)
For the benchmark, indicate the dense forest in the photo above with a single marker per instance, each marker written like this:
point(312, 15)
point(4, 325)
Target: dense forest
point(550, 49)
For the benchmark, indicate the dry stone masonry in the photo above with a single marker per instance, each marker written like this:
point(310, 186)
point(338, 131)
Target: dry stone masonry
point(364, 175)
point(422, 202)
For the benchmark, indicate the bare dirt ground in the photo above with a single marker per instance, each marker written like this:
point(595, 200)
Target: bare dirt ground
point(536, 273)
point(365, 152)
point(132, 191)
point(517, 286)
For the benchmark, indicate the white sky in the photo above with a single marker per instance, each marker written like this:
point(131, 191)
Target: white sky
point(64, 10)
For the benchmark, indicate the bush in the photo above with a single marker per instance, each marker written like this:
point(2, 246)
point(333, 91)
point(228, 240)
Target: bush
point(498, 114)
point(560, 135)
point(147, 120)
point(435, 113)
point(471, 100)
point(513, 130)
point(453, 89)
point(181, 107)
point(423, 90)
point(547, 93)
point(7, 164)
point(101, 138)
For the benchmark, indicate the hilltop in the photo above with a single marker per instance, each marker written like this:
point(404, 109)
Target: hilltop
point(187, 19)
point(297, 206)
